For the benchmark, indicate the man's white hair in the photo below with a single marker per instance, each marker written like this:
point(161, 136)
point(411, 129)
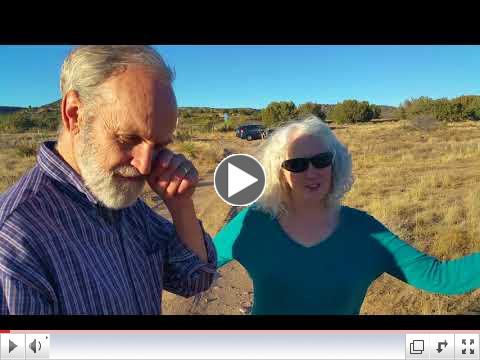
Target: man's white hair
point(88, 66)
point(274, 151)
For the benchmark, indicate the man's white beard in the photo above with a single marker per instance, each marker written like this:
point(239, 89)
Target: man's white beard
point(112, 191)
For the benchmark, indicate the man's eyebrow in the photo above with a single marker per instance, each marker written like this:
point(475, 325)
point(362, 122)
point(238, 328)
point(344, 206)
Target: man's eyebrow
point(130, 134)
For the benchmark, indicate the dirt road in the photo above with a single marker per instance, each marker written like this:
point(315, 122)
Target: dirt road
point(232, 292)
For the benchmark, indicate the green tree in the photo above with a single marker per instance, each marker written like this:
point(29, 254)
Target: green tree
point(448, 110)
point(469, 104)
point(419, 106)
point(277, 113)
point(363, 112)
point(377, 111)
point(311, 108)
point(352, 111)
point(472, 108)
point(21, 121)
point(186, 114)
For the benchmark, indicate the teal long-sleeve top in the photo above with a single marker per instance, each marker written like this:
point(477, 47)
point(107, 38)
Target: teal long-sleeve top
point(332, 277)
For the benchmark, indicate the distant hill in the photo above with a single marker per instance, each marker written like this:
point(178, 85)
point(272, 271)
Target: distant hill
point(55, 106)
point(47, 116)
point(9, 109)
point(388, 111)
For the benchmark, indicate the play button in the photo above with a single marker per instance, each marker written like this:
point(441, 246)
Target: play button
point(239, 179)
point(11, 346)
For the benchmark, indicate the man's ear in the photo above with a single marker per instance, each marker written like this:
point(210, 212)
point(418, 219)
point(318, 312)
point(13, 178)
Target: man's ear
point(70, 110)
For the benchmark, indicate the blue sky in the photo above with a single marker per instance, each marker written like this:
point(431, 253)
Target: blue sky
point(253, 76)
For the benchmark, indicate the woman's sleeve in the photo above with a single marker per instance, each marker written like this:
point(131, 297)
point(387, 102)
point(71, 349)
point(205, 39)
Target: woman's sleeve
point(226, 238)
point(451, 277)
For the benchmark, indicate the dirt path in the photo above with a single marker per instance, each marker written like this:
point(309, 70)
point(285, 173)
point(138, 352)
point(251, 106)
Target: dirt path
point(232, 293)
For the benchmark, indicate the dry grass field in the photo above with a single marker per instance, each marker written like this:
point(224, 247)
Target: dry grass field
point(424, 184)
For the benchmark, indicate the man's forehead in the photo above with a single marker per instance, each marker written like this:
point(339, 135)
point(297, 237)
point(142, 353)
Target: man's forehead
point(143, 105)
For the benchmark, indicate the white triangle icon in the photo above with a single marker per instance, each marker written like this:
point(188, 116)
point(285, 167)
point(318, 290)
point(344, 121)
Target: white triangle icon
point(238, 180)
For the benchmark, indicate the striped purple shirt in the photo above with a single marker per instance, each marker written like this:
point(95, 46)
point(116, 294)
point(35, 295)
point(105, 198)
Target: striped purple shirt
point(61, 252)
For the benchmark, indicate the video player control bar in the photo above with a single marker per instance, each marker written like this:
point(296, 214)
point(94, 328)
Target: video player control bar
point(236, 345)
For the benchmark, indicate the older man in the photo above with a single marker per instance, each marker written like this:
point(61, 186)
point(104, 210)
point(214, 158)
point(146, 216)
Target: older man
point(74, 236)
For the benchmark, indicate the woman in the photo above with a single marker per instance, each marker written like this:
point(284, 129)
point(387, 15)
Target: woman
point(306, 253)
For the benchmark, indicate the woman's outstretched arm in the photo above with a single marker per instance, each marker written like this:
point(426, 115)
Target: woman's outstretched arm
point(450, 277)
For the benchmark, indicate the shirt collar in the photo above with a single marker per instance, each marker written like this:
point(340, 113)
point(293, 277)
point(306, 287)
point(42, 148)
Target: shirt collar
point(54, 166)
point(57, 168)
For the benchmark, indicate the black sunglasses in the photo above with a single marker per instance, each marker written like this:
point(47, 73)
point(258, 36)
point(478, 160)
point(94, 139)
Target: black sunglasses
point(319, 161)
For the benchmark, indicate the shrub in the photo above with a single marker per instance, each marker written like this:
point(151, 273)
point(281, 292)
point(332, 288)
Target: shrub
point(448, 110)
point(214, 153)
point(311, 108)
point(183, 135)
point(353, 111)
point(26, 150)
point(189, 148)
point(277, 113)
point(445, 110)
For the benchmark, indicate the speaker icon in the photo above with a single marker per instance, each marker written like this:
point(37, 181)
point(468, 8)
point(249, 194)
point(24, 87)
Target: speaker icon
point(35, 346)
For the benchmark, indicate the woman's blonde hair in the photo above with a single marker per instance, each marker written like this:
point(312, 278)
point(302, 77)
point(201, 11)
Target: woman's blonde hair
point(273, 152)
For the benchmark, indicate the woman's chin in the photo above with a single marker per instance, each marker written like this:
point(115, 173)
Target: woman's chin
point(318, 193)
point(312, 198)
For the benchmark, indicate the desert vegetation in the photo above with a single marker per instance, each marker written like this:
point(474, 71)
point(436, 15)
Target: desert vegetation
point(417, 169)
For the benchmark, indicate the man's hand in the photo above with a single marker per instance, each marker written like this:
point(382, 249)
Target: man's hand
point(174, 178)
